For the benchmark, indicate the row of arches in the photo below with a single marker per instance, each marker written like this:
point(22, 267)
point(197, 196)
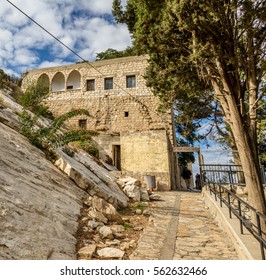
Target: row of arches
point(59, 83)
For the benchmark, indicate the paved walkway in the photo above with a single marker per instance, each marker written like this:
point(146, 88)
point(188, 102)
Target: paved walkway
point(181, 228)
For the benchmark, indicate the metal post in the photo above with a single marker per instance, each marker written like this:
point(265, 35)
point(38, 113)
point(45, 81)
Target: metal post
point(260, 235)
point(220, 193)
point(240, 217)
point(229, 205)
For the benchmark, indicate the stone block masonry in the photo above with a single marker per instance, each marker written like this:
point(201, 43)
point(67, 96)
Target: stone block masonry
point(121, 108)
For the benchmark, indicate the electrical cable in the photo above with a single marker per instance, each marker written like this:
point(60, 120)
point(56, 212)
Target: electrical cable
point(143, 105)
point(46, 30)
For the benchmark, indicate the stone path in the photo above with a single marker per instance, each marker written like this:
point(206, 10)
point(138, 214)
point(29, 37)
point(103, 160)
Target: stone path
point(181, 228)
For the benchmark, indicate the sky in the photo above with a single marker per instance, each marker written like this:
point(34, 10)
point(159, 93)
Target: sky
point(86, 26)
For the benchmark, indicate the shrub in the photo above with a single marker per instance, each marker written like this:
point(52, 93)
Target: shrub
point(68, 151)
point(32, 100)
point(47, 138)
point(89, 148)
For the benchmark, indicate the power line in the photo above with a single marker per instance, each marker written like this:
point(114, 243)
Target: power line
point(58, 40)
point(144, 106)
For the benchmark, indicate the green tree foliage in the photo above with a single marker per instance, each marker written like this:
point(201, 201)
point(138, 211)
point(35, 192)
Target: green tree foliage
point(10, 83)
point(204, 48)
point(112, 53)
point(262, 131)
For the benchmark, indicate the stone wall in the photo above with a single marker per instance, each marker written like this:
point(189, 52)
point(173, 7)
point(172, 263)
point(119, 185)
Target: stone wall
point(146, 153)
point(114, 114)
point(126, 117)
point(118, 109)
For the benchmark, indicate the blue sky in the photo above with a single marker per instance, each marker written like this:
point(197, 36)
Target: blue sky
point(86, 26)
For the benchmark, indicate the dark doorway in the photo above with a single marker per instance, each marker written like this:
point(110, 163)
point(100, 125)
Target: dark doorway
point(117, 156)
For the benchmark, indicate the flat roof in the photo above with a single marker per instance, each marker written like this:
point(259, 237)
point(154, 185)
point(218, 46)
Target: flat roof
point(98, 63)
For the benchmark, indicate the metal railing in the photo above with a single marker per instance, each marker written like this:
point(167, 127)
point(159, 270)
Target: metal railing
point(248, 216)
point(223, 174)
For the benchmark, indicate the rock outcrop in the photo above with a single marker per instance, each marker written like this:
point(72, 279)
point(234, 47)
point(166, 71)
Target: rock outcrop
point(46, 214)
point(91, 177)
point(39, 206)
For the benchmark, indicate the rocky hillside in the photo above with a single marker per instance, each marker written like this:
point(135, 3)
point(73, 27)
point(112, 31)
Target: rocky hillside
point(62, 211)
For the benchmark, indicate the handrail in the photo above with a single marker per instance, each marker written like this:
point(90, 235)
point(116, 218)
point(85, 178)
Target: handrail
point(223, 173)
point(248, 216)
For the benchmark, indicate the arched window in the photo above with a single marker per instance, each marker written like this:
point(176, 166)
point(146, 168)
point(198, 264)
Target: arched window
point(58, 82)
point(73, 80)
point(44, 81)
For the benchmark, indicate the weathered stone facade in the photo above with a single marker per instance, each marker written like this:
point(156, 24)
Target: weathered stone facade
point(122, 108)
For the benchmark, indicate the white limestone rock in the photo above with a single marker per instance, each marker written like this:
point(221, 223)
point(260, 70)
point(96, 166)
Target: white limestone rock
point(112, 242)
point(39, 205)
point(155, 197)
point(98, 216)
point(106, 209)
point(106, 232)
point(87, 251)
point(110, 252)
point(144, 196)
point(91, 182)
point(117, 228)
point(133, 182)
point(93, 224)
point(132, 192)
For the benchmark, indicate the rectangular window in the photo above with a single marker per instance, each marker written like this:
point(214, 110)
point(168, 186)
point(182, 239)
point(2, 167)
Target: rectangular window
point(90, 85)
point(108, 83)
point(83, 124)
point(131, 81)
point(70, 87)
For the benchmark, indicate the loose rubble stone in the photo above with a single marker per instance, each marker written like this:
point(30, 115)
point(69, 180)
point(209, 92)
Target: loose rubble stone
point(93, 224)
point(98, 216)
point(138, 211)
point(106, 209)
point(144, 196)
point(154, 197)
point(87, 251)
point(111, 253)
point(132, 192)
point(105, 232)
point(117, 228)
point(90, 182)
point(133, 182)
point(113, 242)
point(138, 228)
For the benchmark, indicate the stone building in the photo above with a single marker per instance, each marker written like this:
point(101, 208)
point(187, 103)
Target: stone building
point(122, 109)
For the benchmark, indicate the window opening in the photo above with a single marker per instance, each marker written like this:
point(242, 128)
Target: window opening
point(70, 87)
point(126, 114)
point(131, 81)
point(83, 124)
point(90, 85)
point(108, 83)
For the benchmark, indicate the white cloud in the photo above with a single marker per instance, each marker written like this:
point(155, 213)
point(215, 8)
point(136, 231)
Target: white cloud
point(24, 57)
point(46, 63)
point(82, 25)
point(99, 6)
